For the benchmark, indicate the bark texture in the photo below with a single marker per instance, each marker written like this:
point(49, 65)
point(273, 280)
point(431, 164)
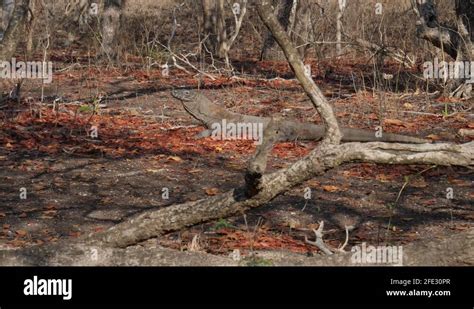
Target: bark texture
point(110, 27)
point(270, 50)
point(156, 222)
point(456, 41)
point(13, 32)
point(220, 36)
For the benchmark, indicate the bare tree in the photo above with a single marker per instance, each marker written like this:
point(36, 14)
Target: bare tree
point(295, 17)
point(210, 22)
point(339, 25)
point(456, 41)
point(16, 24)
point(283, 9)
point(110, 25)
point(220, 37)
point(78, 15)
point(302, 32)
point(7, 7)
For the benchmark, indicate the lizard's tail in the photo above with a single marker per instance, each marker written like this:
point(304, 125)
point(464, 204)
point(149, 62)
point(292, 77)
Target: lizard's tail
point(360, 135)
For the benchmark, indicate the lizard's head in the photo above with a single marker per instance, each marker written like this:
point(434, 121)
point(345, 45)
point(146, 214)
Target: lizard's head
point(183, 94)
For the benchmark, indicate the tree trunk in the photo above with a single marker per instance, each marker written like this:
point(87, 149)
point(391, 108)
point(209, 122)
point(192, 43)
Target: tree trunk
point(302, 33)
point(340, 15)
point(456, 41)
point(7, 7)
point(154, 223)
point(13, 32)
point(221, 37)
point(465, 17)
point(31, 27)
point(210, 24)
point(221, 48)
point(110, 26)
point(270, 50)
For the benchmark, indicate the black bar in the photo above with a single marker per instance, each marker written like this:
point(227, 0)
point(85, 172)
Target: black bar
point(262, 285)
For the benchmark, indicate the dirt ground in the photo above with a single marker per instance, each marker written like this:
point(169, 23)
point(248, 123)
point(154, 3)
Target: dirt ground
point(145, 156)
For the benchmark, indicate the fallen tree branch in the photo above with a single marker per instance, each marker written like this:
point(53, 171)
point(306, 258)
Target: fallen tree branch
point(319, 243)
point(156, 222)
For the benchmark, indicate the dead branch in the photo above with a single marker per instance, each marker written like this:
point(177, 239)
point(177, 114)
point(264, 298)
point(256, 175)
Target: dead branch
point(154, 223)
point(333, 134)
point(319, 243)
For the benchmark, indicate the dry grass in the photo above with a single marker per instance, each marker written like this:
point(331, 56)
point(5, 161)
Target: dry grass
point(139, 6)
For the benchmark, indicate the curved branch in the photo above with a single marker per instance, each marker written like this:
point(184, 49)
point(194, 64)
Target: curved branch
point(333, 133)
point(156, 222)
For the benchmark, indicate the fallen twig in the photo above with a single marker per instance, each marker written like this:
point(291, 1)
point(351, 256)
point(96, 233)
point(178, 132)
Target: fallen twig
point(319, 239)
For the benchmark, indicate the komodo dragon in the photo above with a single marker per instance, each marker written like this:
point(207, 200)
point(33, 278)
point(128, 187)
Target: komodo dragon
point(208, 113)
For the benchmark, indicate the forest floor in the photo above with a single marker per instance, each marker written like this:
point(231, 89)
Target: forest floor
point(58, 182)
